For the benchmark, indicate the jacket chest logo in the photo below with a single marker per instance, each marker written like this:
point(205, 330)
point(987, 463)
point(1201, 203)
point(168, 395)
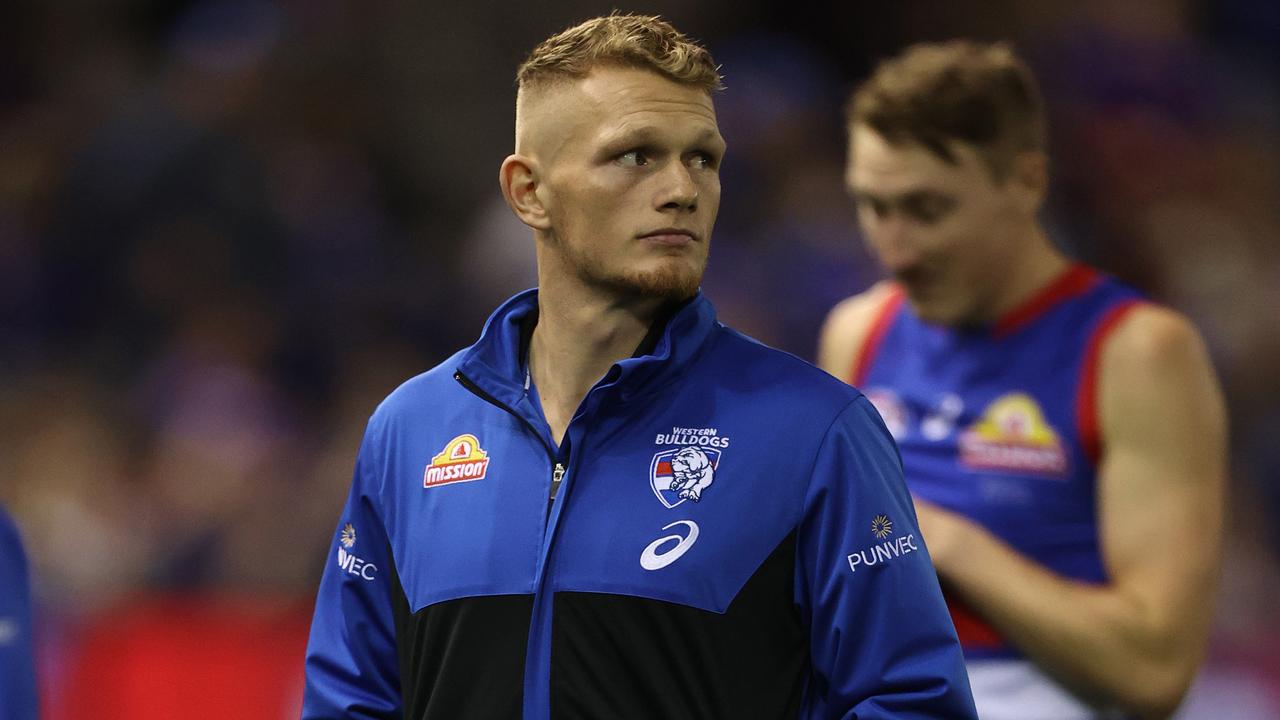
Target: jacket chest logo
point(686, 472)
point(462, 460)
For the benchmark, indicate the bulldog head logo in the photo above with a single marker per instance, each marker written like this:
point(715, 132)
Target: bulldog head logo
point(684, 474)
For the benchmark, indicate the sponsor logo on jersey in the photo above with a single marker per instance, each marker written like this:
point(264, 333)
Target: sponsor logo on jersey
point(661, 553)
point(891, 409)
point(462, 460)
point(348, 561)
point(881, 528)
point(683, 474)
point(941, 420)
point(1012, 435)
point(357, 566)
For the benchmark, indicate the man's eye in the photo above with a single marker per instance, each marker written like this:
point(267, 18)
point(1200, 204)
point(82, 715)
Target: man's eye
point(927, 208)
point(633, 158)
point(875, 206)
point(703, 161)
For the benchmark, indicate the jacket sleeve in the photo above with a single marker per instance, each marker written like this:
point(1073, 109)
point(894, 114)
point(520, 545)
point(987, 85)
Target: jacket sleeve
point(352, 667)
point(17, 659)
point(881, 639)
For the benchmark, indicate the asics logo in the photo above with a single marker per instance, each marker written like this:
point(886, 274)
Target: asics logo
point(652, 559)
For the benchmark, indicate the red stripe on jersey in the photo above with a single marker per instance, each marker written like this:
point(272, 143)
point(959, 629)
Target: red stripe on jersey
point(1087, 397)
point(974, 632)
point(871, 346)
point(1074, 281)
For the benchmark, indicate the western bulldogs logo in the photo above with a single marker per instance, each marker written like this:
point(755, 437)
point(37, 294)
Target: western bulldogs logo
point(684, 474)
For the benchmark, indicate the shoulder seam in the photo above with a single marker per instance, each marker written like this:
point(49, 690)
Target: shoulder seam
point(808, 485)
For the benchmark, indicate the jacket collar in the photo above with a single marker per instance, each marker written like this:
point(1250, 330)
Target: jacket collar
point(496, 363)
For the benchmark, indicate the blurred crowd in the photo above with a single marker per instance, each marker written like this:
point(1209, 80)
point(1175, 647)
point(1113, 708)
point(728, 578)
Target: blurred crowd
point(228, 229)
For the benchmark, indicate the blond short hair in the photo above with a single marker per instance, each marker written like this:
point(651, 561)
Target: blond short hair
point(935, 93)
point(634, 41)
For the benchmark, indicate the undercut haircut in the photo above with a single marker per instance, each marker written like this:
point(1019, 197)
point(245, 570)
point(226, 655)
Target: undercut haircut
point(645, 42)
point(936, 93)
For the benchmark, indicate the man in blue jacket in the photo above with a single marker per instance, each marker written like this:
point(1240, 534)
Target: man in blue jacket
point(612, 506)
point(17, 660)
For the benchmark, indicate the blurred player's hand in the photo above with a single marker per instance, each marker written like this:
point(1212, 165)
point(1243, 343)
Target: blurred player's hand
point(946, 533)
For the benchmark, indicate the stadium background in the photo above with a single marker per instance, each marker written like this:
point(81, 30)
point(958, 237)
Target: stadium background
point(227, 229)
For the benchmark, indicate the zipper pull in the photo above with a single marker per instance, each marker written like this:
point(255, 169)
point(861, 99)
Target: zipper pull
point(556, 476)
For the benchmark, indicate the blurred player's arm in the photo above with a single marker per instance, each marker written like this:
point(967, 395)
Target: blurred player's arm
point(846, 328)
point(1135, 642)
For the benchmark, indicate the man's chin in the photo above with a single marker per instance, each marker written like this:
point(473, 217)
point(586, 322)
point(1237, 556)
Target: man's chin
point(931, 310)
point(943, 314)
point(666, 282)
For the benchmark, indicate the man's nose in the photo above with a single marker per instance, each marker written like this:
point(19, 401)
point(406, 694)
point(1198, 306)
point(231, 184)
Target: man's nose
point(894, 242)
point(679, 190)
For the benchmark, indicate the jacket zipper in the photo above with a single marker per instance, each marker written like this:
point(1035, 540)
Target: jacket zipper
point(556, 476)
point(559, 464)
point(537, 657)
point(476, 390)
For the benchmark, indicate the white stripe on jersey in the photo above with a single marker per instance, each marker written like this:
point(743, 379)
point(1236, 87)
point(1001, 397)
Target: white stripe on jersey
point(1018, 690)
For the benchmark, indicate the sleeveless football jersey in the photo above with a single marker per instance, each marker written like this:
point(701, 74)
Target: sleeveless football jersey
point(1000, 424)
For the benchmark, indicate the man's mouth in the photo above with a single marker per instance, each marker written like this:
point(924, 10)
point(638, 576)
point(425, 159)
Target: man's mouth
point(672, 237)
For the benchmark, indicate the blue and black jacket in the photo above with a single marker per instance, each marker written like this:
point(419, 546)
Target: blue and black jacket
point(723, 532)
point(17, 660)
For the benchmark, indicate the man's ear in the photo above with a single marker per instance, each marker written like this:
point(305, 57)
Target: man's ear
point(1031, 176)
point(519, 178)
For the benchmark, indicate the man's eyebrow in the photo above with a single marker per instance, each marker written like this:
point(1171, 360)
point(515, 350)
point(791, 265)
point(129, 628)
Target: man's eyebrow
point(909, 194)
point(642, 134)
point(864, 194)
point(710, 135)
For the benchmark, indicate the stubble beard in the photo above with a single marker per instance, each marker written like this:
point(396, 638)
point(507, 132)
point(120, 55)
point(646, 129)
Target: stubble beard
point(668, 281)
point(671, 280)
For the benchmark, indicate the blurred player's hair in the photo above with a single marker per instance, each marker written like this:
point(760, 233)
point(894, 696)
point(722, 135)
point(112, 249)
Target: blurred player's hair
point(631, 41)
point(936, 93)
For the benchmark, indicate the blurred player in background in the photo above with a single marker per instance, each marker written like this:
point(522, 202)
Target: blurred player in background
point(17, 661)
point(1064, 439)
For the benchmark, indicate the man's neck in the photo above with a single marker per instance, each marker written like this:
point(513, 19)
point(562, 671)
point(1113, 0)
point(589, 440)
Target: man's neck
point(579, 336)
point(1027, 273)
